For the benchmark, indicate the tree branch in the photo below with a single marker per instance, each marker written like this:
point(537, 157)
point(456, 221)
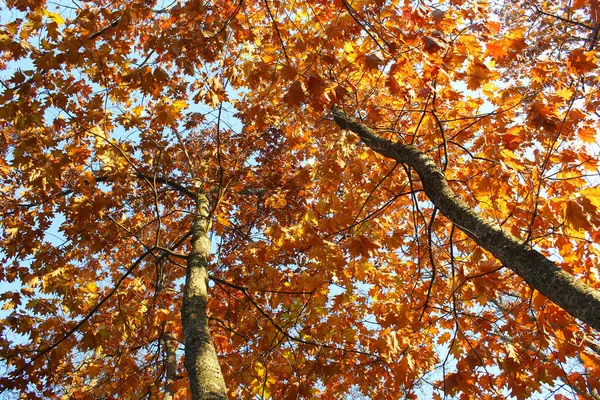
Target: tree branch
point(169, 182)
point(578, 299)
point(75, 328)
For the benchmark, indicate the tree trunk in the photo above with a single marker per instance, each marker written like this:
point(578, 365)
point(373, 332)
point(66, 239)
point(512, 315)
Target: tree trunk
point(170, 366)
point(578, 299)
point(201, 362)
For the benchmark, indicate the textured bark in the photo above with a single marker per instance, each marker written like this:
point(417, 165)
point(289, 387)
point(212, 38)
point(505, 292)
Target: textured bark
point(578, 299)
point(170, 366)
point(201, 362)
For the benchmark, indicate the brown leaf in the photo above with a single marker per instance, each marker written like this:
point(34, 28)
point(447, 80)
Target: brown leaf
point(432, 45)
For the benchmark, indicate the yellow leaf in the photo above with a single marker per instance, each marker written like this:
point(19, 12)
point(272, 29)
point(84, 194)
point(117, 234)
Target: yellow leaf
point(91, 287)
point(363, 155)
point(349, 47)
point(593, 195)
point(137, 111)
point(565, 93)
point(98, 132)
point(260, 369)
point(179, 105)
point(269, 55)
point(309, 217)
point(223, 220)
point(595, 248)
point(511, 160)
point(55, 17)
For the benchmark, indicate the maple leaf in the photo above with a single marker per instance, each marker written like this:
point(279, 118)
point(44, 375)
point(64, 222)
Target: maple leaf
point(581, 62)
point(587, 134)
point(543, 116)
point(498, 50)
point(295, 96)
point(478, 74)
point(393, 85)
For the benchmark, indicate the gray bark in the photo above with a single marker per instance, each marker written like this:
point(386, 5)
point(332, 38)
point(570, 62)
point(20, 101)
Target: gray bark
point(201, 362)
point(578, 299)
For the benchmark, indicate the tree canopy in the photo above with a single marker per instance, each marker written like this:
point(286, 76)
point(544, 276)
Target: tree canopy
point(299, 199)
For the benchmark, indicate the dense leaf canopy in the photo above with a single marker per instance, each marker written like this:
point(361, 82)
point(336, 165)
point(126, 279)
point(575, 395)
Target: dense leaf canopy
point(333, 273)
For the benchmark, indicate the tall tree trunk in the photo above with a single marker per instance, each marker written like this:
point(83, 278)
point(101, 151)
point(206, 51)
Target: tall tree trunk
point(170, 366)
point(206, 379)
point(578, 299)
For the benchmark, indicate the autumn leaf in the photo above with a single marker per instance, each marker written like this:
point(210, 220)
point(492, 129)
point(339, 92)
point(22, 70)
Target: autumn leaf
point(576, 216)
point(295, 95)
point(543, 116)
point(581, 62)
point(431, 45)
point(591, 361)
point(478, 74)
point(393, 85)
point(373, 61)
point(587, 134)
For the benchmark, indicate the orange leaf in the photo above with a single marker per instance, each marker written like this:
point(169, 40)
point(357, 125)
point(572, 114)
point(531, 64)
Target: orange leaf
point(478, 74)
point(393, 85)
point(576, 216)
point(295, 96)
point(581, 62)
